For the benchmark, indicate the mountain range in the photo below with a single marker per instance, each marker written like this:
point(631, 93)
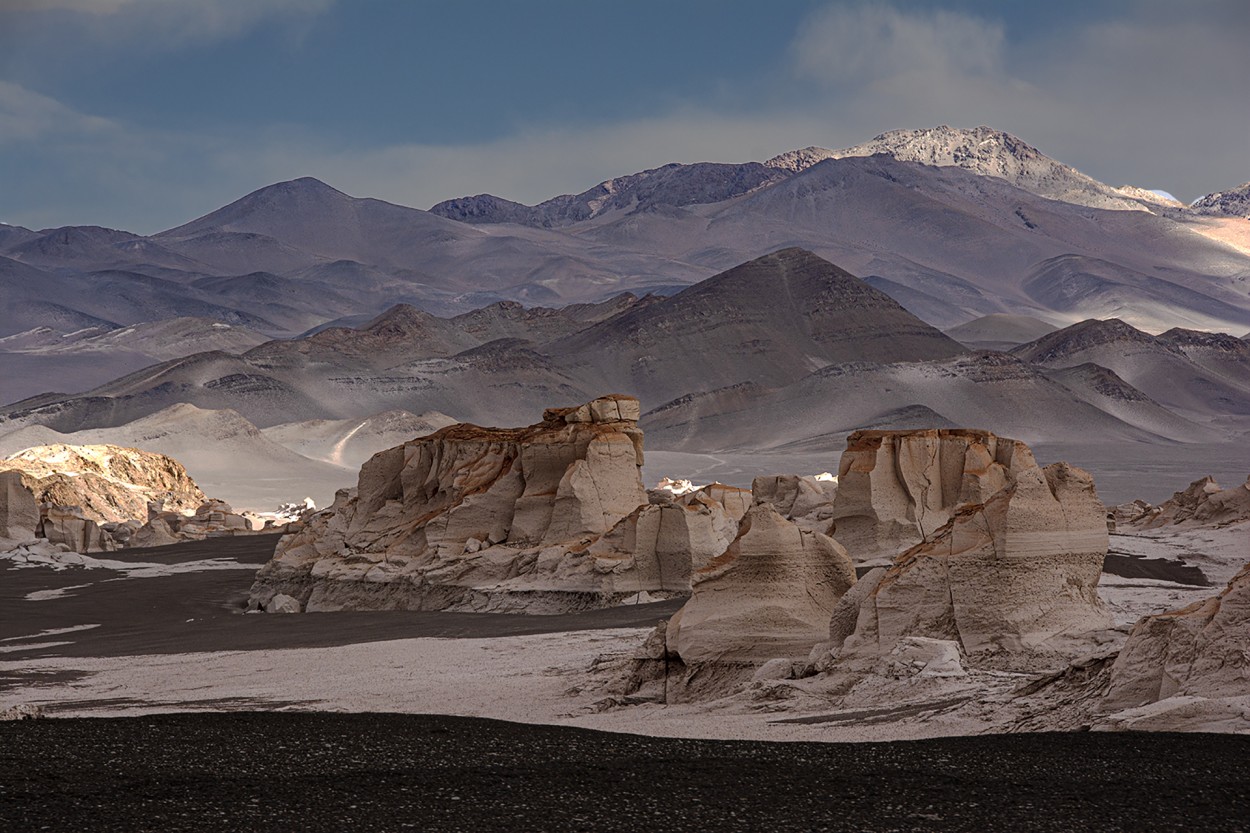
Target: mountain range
point(954, 224)
point(977, 282)
point(786, 352)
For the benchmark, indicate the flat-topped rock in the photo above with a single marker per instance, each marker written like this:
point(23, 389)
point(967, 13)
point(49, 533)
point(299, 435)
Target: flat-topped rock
point(545, 518)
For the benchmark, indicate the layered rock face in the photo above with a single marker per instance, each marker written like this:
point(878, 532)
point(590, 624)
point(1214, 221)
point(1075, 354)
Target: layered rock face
point(1011, 578)
point(677, 533)
point(993, 560)
point(769, 595)
point(548, 518)
point(1202, 650)
point(897, 488)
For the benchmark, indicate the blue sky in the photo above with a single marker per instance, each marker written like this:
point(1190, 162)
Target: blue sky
point(141, 114)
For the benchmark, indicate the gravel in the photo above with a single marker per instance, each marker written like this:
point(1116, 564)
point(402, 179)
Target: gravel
point(335, 772)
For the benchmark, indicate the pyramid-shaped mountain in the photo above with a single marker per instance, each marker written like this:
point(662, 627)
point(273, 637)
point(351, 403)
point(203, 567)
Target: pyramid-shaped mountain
point(771, 320)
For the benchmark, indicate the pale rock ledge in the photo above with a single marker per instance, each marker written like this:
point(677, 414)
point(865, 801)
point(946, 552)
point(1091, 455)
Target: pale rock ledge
point(544, 519)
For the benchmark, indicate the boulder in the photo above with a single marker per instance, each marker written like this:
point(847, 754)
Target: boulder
point(155, 533)
point(282, 603)
point(1202, 650)
point(556, 513)
point(1011, 579)
point(897, 488)
point(19, 510)
point(66, 525)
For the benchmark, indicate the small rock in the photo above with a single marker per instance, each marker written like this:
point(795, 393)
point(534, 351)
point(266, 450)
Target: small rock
point(282, 603)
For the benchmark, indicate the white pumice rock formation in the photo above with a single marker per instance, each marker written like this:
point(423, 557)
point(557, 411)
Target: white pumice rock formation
point(764, 601)
point(770, 594)
point(103, 498)
point(1198, 652)
point(1008, 580)
point(548, 518)
point(19, 511)
point(896, 489)
point(1202, 503)
point(1011, 578)
point(678, 533)
point(806, 500)
point(109, 484)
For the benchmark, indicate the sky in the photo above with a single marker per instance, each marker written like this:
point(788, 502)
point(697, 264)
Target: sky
point(143, 114)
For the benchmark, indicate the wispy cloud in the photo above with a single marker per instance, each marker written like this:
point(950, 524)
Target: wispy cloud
point(27, 116)
point(859, 46)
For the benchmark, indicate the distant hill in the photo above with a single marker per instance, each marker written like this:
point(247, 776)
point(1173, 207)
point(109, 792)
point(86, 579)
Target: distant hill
point(1161, 367)
point(787, 352)
point(778, 317)
point(1235, 202)
point(988, 152)
point(1000, 331)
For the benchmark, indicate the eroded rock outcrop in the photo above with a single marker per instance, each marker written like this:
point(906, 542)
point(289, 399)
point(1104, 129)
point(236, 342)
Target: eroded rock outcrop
point(1012, 578)
point(1202, 503)
point(994, 561)
point(768, 596)
point(19, 511)
point(678, 533)
point(1200, 651)
point(897, 488)
point(805, 499)
point(108, 483)
point(547, 518)
point(89, 499)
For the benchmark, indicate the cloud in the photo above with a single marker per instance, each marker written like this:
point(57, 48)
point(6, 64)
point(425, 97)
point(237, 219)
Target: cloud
point(860, 46)
point(1153, 100)
point(169, 23)
point(27, 116)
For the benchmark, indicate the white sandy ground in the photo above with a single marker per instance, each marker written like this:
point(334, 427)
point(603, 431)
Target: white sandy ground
point(530, 679)
point(566, 678)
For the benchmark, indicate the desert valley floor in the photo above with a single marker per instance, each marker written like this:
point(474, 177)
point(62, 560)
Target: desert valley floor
point(335, 715)
point(900, 487)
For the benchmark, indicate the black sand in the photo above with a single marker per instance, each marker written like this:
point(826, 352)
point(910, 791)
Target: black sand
point(202, 611)
point(334, 772)
point(1135, 566)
